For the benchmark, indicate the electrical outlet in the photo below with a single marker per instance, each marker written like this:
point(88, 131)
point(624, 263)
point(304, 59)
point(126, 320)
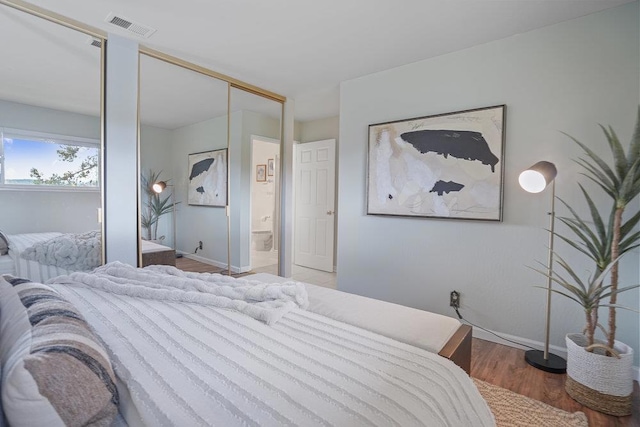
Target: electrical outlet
point(200, 245)
point(454, 299)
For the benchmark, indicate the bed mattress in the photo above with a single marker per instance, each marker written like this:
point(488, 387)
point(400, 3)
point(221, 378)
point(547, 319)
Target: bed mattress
point(149, 247)
point(423, 329)
point(194, 364)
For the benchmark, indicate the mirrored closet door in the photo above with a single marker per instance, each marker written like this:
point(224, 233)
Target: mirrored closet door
point(254, 149)
point(50, 151)
point(183, 164)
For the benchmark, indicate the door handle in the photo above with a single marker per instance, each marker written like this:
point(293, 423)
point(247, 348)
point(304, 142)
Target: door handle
point(329, 212)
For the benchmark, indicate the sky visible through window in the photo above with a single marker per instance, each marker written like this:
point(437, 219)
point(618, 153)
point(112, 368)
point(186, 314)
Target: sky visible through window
point(20, 155)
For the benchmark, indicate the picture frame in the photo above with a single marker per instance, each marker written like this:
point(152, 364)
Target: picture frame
point(261, 173)
point(447, 165)
point(207, 178)
point(271, 167)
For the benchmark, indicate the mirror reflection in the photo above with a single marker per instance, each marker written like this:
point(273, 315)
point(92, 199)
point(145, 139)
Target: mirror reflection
point(50, 151)
point(254, 147)
point(183, 151)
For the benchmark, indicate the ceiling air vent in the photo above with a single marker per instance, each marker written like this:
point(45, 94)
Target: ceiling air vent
point(94, 42)
point(129, 25)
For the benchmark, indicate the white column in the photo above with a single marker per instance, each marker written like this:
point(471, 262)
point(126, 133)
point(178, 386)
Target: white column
point(286, 202)
point(121, 151)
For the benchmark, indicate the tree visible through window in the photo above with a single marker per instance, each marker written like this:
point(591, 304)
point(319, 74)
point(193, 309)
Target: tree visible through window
point(48, 160)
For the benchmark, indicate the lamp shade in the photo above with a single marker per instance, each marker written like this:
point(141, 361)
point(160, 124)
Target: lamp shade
point(159, 186)
point(537, 177)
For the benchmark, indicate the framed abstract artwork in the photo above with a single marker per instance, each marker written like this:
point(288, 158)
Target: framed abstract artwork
point(261, 173)
point(444, 166)
point(208, 178)
point(271, 166)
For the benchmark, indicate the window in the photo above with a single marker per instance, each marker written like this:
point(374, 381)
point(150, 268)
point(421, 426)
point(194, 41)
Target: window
point(33, 159)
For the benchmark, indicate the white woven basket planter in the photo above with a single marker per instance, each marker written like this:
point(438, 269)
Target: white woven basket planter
point(597, 381)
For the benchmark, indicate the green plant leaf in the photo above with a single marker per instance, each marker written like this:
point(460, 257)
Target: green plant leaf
point(595, 214)
point(598, 177)
point(619, 158)
point(621, 306)
point(604, 167)
point(634, 146)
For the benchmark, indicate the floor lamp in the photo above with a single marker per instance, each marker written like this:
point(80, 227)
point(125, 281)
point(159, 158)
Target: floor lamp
point(158, 188)
point(534, 180)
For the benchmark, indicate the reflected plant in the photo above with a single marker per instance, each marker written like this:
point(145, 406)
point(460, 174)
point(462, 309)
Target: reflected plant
point(155, 205)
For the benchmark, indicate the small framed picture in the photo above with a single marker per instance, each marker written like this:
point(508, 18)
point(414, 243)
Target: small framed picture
point(261, 173)
point(271, 166)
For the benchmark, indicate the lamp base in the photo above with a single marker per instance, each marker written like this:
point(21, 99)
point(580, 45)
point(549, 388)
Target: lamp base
point(554, 364)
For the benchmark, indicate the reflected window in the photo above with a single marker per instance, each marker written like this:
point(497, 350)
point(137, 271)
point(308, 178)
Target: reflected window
point(34, 160)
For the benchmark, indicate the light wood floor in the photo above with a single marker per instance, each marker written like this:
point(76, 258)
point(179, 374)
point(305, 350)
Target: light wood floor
point(505, 367)
point(186, 264)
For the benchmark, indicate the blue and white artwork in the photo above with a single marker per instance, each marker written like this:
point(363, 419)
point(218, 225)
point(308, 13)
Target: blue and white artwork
point(208, 178)
point(444, 166)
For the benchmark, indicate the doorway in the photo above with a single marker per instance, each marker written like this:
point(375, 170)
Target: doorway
point(265, 159)
point(314, 189)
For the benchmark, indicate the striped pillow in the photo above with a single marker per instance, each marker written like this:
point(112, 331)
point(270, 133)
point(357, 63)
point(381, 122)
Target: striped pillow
point(55, 371)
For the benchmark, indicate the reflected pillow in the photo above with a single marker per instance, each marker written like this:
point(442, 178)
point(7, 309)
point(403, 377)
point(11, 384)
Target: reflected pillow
point(55, 371)
point(4, 244)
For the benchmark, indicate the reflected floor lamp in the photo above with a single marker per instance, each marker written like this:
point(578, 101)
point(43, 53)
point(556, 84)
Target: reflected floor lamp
point(535, 180)
point(158, 188)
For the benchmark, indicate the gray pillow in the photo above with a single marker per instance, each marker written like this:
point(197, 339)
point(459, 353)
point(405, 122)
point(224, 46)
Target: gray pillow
point(54, 368)
point(4, 244)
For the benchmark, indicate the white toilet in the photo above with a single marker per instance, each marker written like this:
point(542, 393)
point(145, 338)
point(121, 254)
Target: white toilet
point(262, 240)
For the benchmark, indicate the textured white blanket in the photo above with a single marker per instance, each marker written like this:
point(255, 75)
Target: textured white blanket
point(262, 301)
point(80, 252)
point(181, 364)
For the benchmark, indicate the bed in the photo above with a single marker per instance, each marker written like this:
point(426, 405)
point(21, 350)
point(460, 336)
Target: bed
point(204, 349)
point(15, 263)
point(157, 254)
point(31, 269)
point(432, 332)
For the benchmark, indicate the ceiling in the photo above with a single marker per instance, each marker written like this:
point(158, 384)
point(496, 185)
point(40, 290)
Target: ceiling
point(301, 49)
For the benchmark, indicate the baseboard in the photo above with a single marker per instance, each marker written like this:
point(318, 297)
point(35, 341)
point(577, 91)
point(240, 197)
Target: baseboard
point(557, 350)
point(215, 263)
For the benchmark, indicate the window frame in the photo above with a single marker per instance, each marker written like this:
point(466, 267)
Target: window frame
point(37, 136)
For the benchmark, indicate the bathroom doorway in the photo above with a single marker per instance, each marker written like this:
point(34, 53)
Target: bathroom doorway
point(265, 158)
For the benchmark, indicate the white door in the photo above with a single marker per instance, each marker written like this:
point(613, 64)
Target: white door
point(315, 176)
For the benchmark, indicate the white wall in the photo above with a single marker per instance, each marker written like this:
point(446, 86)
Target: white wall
point(263, 196)
point(318, 130)
point(250, 123)
point(66, 211)
point(567, 77)
point(198, 223)
point(121, 151)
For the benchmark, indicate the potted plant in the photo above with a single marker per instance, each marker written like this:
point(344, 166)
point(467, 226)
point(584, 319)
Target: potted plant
point(154, 206)
point(599, 372)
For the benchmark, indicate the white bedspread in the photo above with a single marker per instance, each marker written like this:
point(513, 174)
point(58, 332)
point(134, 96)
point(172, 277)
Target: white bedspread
point(73, 251)
point(262, 301)
point(30, 269)
point(187, 364)
point(419, 328)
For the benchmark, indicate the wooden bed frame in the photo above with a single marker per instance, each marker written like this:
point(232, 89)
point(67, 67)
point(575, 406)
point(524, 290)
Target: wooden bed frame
point(458, 348)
